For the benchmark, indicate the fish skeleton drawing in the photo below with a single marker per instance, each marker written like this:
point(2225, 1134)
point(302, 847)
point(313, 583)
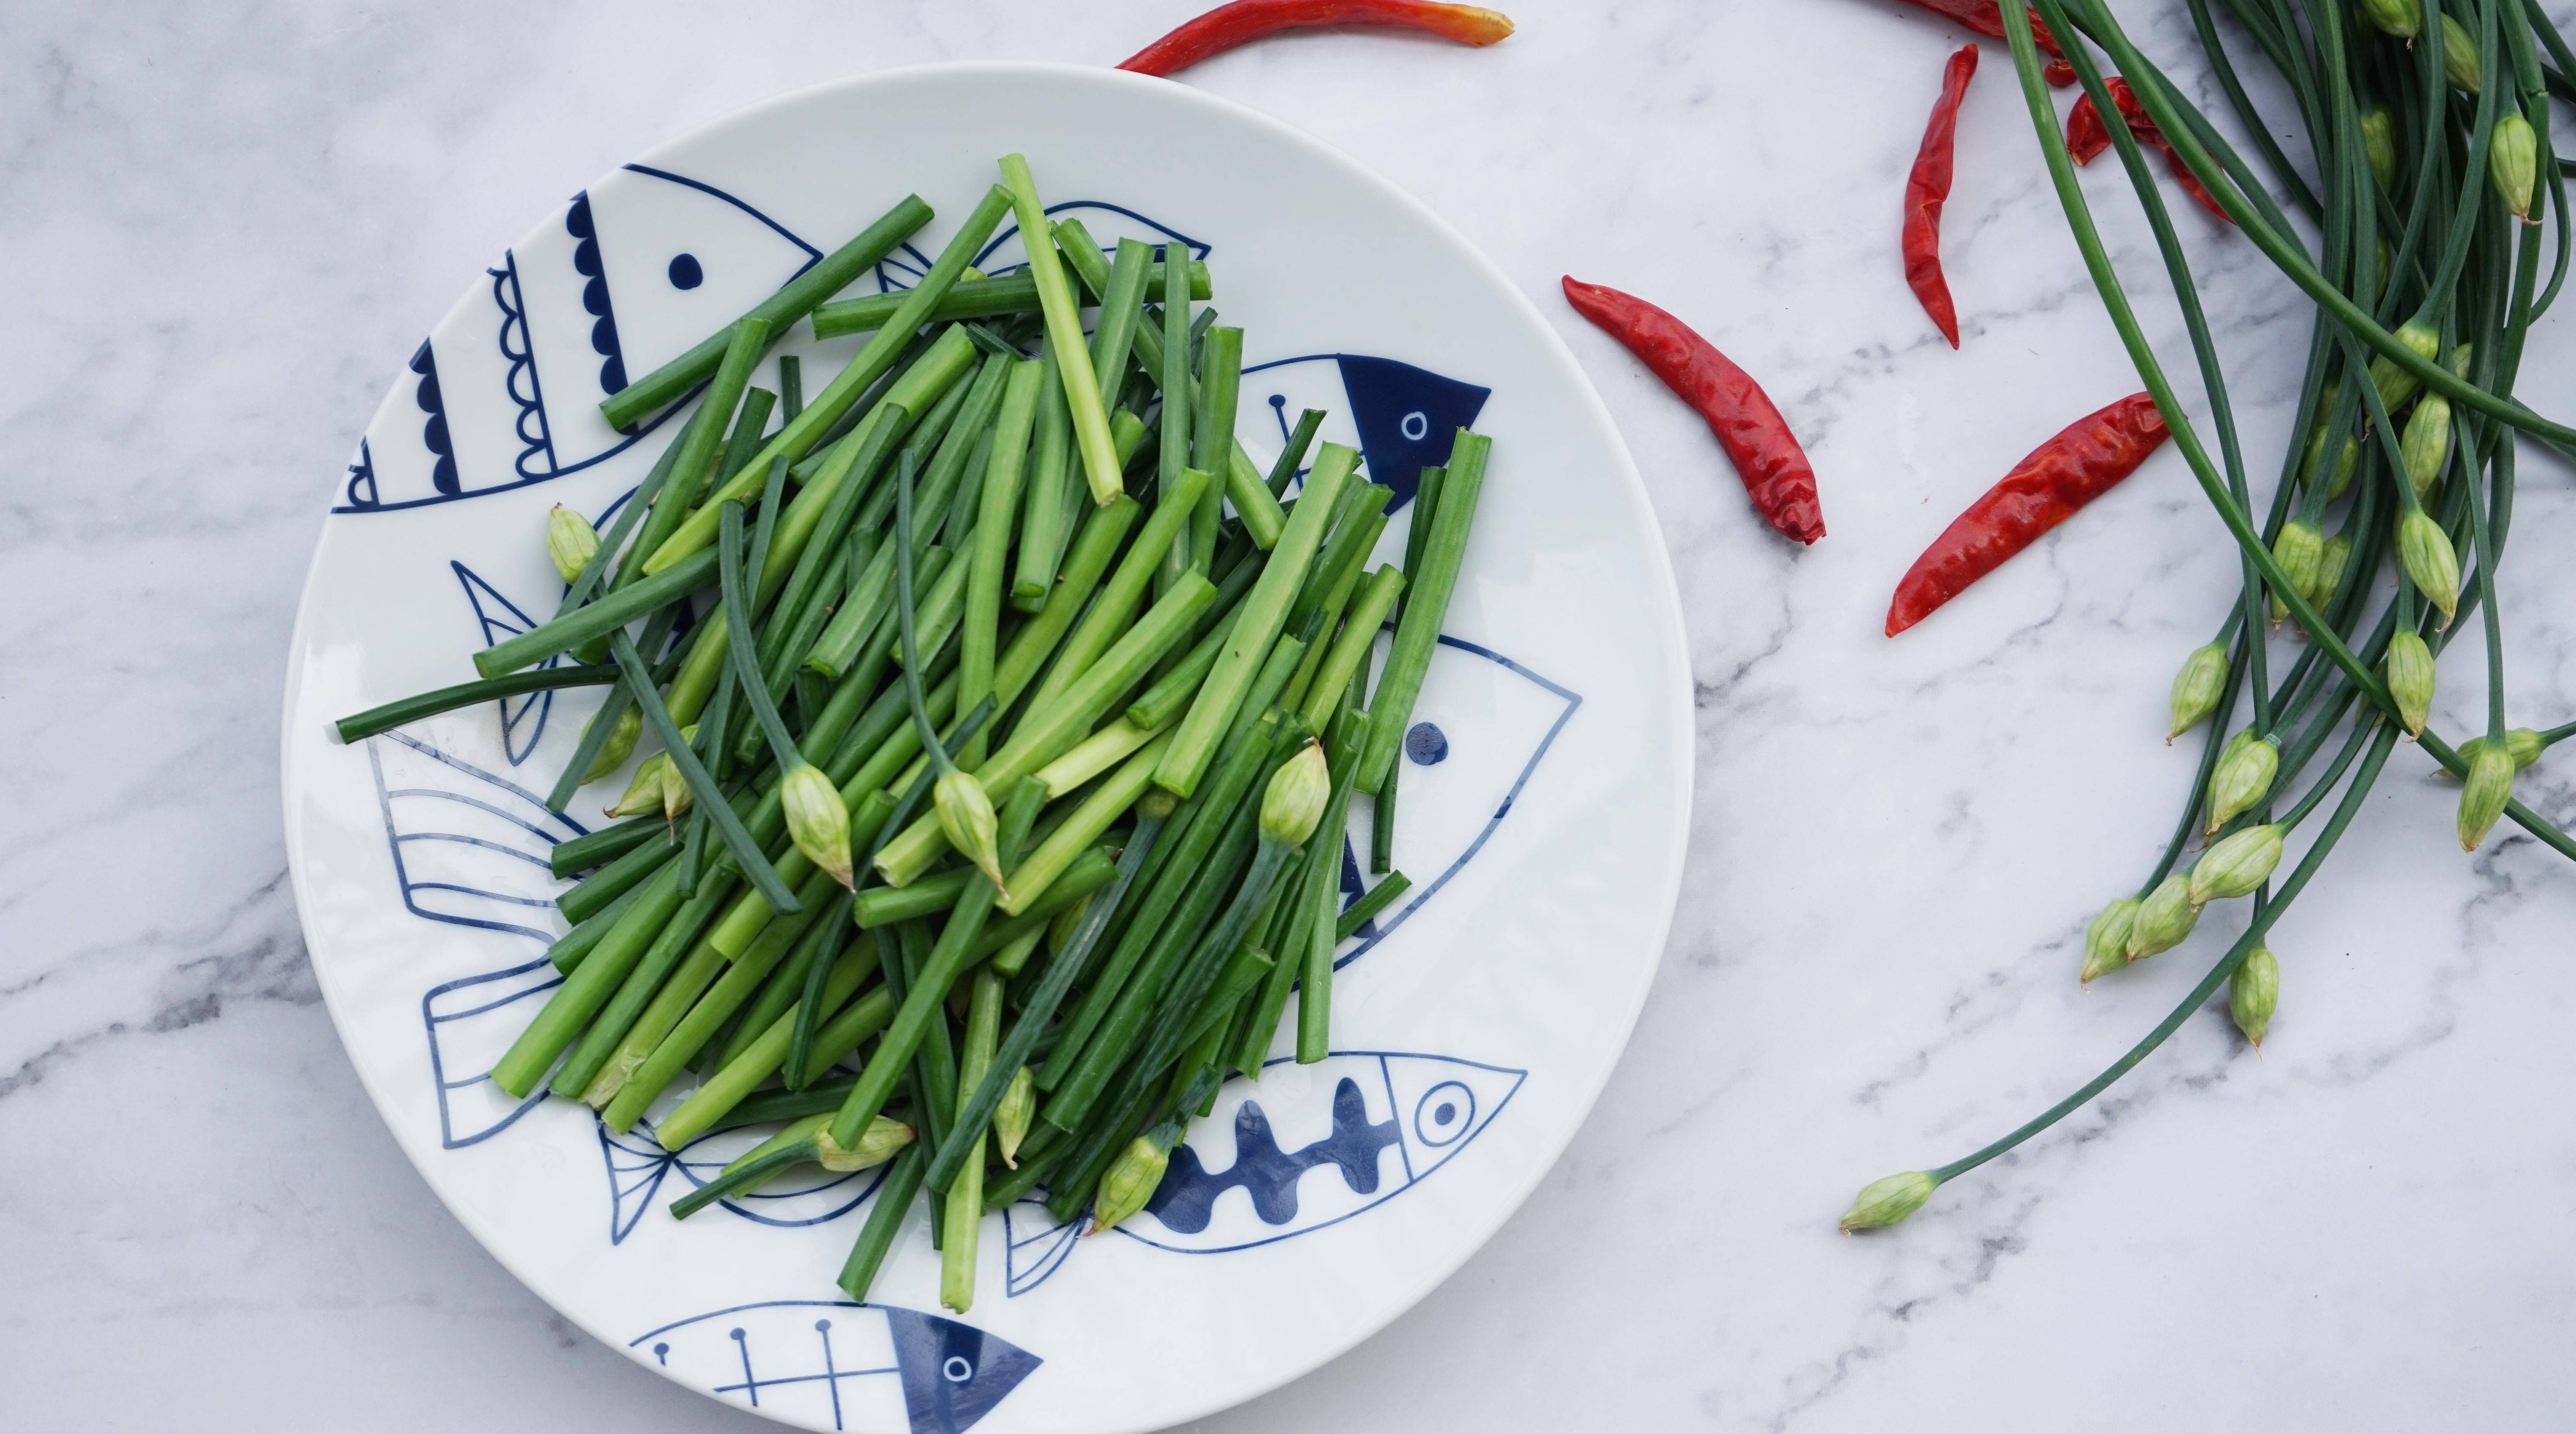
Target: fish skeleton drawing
point(834, 1362)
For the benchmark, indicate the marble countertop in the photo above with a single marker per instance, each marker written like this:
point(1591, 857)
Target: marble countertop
point(229, 224)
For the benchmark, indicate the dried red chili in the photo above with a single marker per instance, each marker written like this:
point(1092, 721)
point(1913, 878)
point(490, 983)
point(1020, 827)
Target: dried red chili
point(1986, 17)
point(1244, 21)
point(1927, 188)
point(2087, 136)
point(2043, 490)
point(1765, 453)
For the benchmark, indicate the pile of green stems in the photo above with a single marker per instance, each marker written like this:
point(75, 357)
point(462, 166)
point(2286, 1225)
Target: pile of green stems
point(2434, 245)
point(1122, 676)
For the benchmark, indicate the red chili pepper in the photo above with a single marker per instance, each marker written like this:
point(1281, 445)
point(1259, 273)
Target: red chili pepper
point(2087, 137)
point(1765, 453)
point(1927, 188)
point(2042, 491)
point(1986, 17)
point(1244, 21)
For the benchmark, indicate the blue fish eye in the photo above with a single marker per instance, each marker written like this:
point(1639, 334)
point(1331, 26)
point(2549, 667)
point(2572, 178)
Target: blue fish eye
point(1416, 426)
point(956, 1369)
point(1444, 1113)
point(1426, 744)
point(686, 272)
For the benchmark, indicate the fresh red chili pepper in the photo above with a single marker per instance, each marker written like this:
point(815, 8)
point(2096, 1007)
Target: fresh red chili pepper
point(2042, 491)
point(1765, 453)
point(1244, 21)
point(2087, 137)
point(1927, 188)
point(1986, 17)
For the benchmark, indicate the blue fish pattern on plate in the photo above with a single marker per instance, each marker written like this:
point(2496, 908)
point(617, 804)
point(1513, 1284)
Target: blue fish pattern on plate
point(838, 1362)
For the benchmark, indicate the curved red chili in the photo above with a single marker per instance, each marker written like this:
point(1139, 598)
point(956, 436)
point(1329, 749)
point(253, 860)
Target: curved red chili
point(2087, 137)
point(1244, 21)
point(2043, 490)
point(1986, 17)
point(1765, 453)
point(1927, 188)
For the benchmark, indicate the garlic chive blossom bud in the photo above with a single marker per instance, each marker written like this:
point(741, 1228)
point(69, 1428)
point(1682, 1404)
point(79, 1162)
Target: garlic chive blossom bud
point(570, 540)
point(2106, 941)
point(644, 794)
point(2379, 146)
point(1294, 801)
point(2426, 444)
point(2401, 18)
point(817, 819)
point(2330, 569)
point(2236, 865)
point(2243, 775)
point(2513, 162)
point(2521, 743)
point(1011, 1117)
point(2196, 688)
point(1884, 1202)
point(2409, 665)
point(2483, 795)
point(2459, 55)
point(2297, 550)
point(967, 819)
point(2430, 561)
point(1129, 1182)
point(2395, 384)
point(2255, 991)
point(2164, 918)
point(882, 1140)
point(619, 746)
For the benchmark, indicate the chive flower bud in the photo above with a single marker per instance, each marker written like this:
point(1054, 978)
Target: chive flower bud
point(1293, 803)
point(2460, 360)
point(877, 1145)
point(2430, 561)
point(966, 817)
point(2243, 775)
point(2409, 666)
point(1011, 1117)
point(570, 540)
point(2459, 55)
point(2395, 384)
point(2106, 941)
point(2513, 162)
point(619, 746)
point(2330, 571)
point(2164, 918)
point(2297, 550)
point(2345, 462)
point(2197, 687)
point(1884, 1202)
point(2401, 18)
point(2379, 145)
point(1129, 1182)
point(644, 794)
point(2426, 445)
point(2255, 990)
point(2520, 743)
point(2237, 864)
point(817, 819)
point(2483, 795)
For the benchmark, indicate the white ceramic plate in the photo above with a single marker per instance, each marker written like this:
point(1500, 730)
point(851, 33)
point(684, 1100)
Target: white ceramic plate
point(1544, 796)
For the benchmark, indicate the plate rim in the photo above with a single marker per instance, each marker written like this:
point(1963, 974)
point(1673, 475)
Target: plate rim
point(1628, 484)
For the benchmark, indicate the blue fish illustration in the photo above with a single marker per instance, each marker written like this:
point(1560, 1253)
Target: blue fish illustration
point(523, 718)
point(825, 1361)
point(1379, 1121)
point(808, 1195)
point(1401, 418)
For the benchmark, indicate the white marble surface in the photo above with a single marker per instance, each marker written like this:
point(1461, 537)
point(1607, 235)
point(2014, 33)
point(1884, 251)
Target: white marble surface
point(228, 225)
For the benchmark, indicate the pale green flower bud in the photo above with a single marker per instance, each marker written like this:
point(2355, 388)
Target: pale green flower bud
point(2459, 55)
point(2395, 384)
point(2379, 144)
point(2197, 687)
point(2237, 864)
point(2164, 918)
point(1294, 801)
point(619, 746)
point(2243, 775)
point(2460, 359)
point(2483, 795)
point(2430, 561)
point(2345, 463)
point(644, 793)
point(1129, 1183)
point(2255, 990)
point(570, 540)
point(966, 816)
point(676, 796)
point(2520, 743)
point(2513, 162)
point(1884, 1202)
point(2427, 445)
point(817, 819)
point(2409, 666)
point(2401, 18)
point(2330, 571)
point(2106, 941)
point(877, 1145)
point(1011, 1117)
point(2297, 550)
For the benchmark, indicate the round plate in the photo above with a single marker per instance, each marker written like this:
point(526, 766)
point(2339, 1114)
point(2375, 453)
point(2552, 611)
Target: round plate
point(1545, 786)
